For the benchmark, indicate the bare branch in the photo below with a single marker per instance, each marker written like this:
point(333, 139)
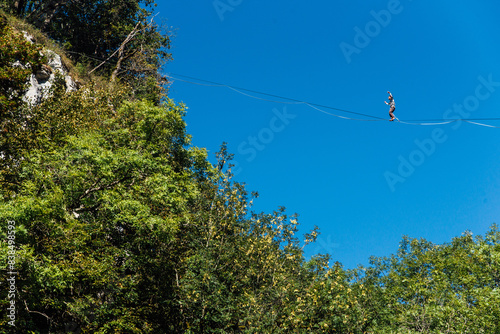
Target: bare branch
point(36, 312)
point(121, 49)
point(130, 36)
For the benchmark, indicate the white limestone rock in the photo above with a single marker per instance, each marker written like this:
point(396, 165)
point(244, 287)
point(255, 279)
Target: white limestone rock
point(41, 82)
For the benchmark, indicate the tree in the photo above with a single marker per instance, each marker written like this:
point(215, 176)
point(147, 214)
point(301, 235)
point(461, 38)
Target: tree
point(95, 220)
point(120, 33)
point(449, 288)
point(19, 59)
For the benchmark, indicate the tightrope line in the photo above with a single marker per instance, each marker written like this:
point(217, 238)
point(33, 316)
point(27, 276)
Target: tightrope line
point(239, 90)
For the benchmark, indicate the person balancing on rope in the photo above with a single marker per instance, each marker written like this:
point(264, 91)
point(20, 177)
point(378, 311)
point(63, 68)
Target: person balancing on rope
point(392, 106)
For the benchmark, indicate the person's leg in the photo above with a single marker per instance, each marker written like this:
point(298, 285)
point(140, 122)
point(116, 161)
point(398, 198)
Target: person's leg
point(391, 113)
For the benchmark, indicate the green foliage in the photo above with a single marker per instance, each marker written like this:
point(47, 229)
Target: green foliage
point(450, 288)
point(45, 126)
point(18, 60)
point(95, 32)
point(100, 212)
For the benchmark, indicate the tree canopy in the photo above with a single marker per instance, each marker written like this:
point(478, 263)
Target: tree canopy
point(119, 37)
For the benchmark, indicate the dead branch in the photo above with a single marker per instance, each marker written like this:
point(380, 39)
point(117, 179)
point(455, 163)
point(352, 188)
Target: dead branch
point(36, 312)
point(121, 49)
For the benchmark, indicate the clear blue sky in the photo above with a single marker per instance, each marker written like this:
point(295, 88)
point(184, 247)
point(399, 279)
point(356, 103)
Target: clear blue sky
point(364, 184)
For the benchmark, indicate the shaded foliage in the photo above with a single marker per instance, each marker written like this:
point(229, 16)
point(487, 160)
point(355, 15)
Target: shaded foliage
point(94, 33)
point(19, 59)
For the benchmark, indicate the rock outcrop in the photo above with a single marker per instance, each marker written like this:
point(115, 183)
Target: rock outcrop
point(41, 82)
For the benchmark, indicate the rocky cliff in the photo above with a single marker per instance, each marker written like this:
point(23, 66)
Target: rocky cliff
point(41, 81)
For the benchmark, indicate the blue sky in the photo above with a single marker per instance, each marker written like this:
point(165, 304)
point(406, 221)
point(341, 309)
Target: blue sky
point(365, 184)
